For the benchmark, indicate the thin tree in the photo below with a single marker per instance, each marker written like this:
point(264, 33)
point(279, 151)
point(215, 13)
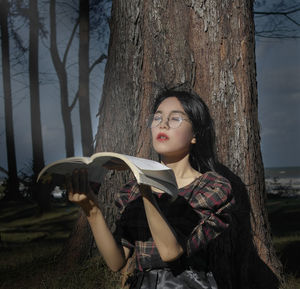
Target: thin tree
point(74, 250)
point(83, 92)
point(36, 127)
point(41, 192)
point(82, 95)
point(60, 68)
point(13, 181)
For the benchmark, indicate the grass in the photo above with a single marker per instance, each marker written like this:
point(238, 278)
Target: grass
point(29, 244)
point(284, 215)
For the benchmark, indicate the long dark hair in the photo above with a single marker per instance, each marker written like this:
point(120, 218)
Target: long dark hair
point(203, 153)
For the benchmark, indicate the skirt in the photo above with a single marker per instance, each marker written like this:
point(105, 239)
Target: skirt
point(164, 279)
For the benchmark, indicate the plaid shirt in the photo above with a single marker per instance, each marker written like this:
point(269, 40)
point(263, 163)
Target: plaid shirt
point(199, 214)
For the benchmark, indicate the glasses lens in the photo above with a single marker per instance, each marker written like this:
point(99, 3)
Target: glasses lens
point(175, 119)
point(154, 120)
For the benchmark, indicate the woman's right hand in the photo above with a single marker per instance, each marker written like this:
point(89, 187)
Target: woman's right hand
point(80, 192)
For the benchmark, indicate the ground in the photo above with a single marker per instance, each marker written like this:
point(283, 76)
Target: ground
point(30, 244)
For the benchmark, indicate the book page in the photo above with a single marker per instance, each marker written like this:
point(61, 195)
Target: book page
point(145, 164)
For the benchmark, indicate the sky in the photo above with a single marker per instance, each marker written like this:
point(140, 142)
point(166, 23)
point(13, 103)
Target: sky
point(278, 81)
point(278, 74)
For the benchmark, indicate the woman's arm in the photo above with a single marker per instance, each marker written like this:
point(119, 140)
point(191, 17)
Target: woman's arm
point(163, 236)
point(80, 193)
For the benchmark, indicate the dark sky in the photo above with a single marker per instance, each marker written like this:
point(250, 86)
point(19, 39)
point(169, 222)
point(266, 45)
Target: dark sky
point(278, 79)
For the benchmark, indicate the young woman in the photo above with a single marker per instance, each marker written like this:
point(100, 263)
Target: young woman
point(169, 238)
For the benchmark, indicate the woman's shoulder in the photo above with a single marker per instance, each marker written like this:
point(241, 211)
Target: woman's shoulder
point(212, 190)
point(212, 177)
point(212, 180)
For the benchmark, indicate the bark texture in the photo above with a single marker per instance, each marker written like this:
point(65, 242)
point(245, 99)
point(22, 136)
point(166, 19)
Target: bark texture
point(209, 47)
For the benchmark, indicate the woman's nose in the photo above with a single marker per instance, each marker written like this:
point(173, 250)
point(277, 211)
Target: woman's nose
point(164, 123)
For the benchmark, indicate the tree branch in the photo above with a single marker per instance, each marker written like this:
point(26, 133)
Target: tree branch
point(280, 28)
point(70, 42)
point(286, 14)
point(74, 101)
point(276, 12)
point(292, 20)
point(97, 61)
point(3, 170)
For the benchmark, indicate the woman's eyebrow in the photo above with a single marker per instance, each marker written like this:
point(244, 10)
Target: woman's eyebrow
point(173, 111)
point(178, 111)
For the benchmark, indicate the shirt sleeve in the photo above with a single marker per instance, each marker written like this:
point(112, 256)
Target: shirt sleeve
point(213, 202)
point(122, 198)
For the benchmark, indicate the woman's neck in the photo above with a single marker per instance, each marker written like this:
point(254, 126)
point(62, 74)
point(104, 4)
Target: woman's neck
point(182, 169)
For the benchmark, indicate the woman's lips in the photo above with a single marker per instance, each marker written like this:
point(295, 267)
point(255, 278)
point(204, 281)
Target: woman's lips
point(162, 137)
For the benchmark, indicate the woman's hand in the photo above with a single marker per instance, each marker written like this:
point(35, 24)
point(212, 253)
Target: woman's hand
point(79, 191)
point(146, 191)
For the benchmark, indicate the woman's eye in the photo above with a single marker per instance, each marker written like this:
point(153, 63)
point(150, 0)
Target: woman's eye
point(175, 118)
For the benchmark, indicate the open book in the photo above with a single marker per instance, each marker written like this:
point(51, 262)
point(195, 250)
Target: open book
point(146, 172)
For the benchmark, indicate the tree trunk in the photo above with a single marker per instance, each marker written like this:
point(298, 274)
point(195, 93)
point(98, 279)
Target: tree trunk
point(84, 100)
point(13, 181)
point(209, 47)
point(78, 246)
point(63, 82)
point(36, 129)
point(40, 193)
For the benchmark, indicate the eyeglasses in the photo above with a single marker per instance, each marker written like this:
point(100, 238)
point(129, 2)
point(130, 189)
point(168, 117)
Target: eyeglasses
point(174, 120)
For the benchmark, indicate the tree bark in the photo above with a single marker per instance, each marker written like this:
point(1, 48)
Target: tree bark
point(63, 82)
point(84, 99)
point(207, 46)
point(13, 181)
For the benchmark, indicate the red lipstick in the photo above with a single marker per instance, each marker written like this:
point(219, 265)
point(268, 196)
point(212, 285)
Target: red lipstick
point(162, 137)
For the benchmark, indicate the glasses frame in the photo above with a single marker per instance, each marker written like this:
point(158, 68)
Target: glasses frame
point(151, 117)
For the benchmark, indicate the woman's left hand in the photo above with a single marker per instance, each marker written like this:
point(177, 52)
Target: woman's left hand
point(146, 191)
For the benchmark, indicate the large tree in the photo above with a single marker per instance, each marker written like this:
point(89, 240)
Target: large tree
point(209, 47)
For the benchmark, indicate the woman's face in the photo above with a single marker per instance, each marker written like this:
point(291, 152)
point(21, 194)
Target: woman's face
point(172, 142)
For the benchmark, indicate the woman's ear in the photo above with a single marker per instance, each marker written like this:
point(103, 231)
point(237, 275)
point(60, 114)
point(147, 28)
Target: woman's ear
point(193, 141)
